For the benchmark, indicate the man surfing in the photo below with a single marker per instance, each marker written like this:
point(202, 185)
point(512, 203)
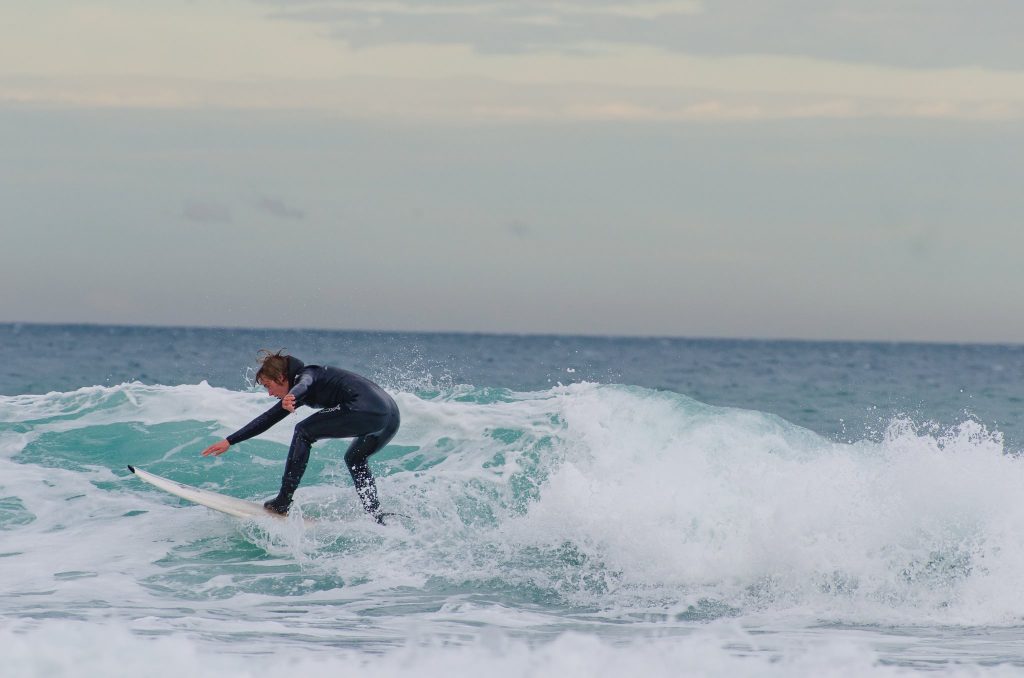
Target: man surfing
point(351, 406)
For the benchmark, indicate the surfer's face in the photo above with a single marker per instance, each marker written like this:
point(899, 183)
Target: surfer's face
point(278, 389)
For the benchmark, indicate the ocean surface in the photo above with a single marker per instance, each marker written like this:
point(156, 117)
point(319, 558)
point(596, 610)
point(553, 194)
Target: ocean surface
point(577, 506)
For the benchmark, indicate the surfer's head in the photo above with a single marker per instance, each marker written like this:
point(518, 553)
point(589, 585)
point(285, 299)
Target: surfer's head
point(273, 372)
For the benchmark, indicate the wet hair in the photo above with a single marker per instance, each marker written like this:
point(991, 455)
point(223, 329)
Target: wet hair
point(273, 366)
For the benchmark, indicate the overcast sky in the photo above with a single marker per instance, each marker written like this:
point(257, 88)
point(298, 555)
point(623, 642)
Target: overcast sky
point(799, 168)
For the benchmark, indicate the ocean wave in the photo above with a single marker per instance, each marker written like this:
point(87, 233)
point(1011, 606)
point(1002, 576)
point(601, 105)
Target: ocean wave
point(616, 501)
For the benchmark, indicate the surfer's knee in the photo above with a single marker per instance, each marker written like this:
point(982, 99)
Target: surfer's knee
point(355, 457)
point(361, 450)
point(303, 434)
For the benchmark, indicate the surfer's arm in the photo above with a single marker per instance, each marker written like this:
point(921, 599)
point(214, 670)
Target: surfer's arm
point(302, 384)
point(258, 425)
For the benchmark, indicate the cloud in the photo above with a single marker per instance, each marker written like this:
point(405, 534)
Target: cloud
point(519, 229)
point(206, 212)
point(747, 90)
point(913, 33)
point(280, 209)
point(532, 60)
point(964, 95)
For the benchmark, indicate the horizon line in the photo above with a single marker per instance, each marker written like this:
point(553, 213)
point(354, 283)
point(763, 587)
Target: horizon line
point(524, 334)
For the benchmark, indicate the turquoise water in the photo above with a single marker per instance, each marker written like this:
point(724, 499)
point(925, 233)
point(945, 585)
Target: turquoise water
point(577, 506)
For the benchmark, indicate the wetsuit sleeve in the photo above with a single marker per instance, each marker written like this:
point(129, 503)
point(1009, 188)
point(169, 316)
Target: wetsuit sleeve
point(302, 385)
point(259, 424)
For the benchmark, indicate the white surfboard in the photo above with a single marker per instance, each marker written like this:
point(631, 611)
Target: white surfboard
point(240, 508)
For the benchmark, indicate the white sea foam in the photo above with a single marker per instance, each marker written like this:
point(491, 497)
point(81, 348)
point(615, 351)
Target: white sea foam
point(69, 649)
point(744, 509)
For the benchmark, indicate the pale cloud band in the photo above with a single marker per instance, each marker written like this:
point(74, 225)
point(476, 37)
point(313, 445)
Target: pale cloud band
point(914, 33)
point(530, 60)
point(483, 99)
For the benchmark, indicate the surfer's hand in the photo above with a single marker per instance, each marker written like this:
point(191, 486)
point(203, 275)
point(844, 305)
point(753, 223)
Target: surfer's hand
point(217, 449)
point(288, 402)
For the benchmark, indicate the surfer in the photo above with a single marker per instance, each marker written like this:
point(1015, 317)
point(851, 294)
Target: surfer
point(351, 406)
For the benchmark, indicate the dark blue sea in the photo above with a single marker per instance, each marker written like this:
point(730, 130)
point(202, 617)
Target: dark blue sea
point(590, 506)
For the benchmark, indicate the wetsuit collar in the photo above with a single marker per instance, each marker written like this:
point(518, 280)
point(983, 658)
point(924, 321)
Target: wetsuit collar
point(294, 367)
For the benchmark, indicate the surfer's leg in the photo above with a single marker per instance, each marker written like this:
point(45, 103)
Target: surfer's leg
point(308, 431)
point(329, 424)
point(298, 457)
point(358, 452)
point(356, 459)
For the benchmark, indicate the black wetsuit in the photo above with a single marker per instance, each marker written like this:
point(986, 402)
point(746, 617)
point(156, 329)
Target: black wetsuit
point(351, 407)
